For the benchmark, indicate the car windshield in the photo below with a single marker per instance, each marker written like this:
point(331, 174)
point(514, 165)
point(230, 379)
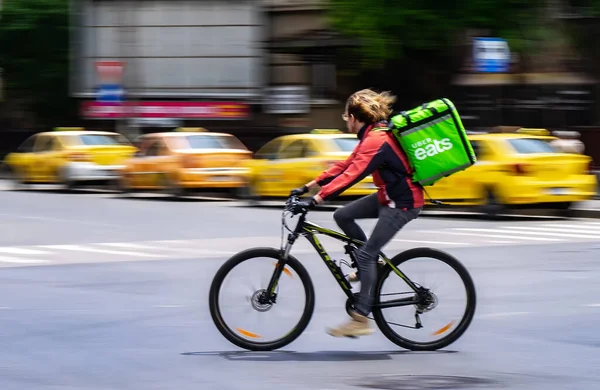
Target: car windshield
point(103, 139)
point(531, 145)
point(346, 144)
point(214, 142)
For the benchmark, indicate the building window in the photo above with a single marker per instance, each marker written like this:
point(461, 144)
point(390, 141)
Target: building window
point(323, 81)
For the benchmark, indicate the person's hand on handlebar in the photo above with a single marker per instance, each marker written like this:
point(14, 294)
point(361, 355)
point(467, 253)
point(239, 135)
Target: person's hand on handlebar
point(305, 205)
point(299, 191)
point(304, 189)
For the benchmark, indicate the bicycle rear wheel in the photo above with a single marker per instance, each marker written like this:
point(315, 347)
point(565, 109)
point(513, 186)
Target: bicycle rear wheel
point(255, 304)
point(432, 305)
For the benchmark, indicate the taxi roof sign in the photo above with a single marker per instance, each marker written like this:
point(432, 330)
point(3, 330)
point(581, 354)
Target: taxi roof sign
point(525, 130)
point(191, 129)
point(69, 128)
point(325, 131)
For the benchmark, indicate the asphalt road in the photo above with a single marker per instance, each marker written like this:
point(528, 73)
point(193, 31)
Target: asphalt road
point(102, 292)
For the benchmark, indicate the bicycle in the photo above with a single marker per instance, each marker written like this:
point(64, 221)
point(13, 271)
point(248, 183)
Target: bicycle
point(423, 299)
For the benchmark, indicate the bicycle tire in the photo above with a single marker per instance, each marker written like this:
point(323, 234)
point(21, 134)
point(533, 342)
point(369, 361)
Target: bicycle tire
point(468, 315)
point(246, 255)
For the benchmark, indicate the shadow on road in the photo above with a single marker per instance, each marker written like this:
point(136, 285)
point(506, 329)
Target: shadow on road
point(318, 356)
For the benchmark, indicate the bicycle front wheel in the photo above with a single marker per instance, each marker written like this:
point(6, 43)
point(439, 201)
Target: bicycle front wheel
point(436, 316)
point(252, 319)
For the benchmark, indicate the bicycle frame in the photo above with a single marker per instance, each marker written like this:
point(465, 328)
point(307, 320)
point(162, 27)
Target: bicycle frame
point(310, 231)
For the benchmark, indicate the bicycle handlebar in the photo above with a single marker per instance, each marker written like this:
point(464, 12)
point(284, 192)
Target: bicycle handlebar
point(290, 205)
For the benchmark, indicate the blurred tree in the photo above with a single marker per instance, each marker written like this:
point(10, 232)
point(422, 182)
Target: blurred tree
point(388, 29)
point(34, 53)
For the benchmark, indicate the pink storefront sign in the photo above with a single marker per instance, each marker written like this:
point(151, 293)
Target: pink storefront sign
point(184, 110)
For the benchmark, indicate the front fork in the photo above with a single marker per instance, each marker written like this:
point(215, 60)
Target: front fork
point(271, 295)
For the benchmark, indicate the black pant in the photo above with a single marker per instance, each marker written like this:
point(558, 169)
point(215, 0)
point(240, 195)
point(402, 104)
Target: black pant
point(389, 223)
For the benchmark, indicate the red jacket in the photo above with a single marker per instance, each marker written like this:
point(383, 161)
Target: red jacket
point(378, 154)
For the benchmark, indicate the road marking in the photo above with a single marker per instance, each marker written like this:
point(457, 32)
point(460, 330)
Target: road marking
point(546, 232)
point(507, 314)
point(430, 242)
point(21, 251)
point(494, 235)
point(80, 248)
point(592, 305)
point(168, 306)
point(60, 220)
point(129, 245)
point(17, 260)
point(500, 242)
point(572, 226)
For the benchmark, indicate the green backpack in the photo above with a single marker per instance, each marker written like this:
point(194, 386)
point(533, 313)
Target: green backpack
point(434, 140)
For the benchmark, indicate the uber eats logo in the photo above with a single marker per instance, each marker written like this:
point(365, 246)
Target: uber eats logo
point(428, 147)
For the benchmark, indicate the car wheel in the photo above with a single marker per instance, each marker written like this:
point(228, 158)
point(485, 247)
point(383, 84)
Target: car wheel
point(172, 188)
point(66, 181)
point(248, 194)
point(120, 186)
point(18, 180)
point(565, 209)
point(493, 207)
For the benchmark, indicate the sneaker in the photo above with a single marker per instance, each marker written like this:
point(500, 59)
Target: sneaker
point(358, 325)
point(353, 277)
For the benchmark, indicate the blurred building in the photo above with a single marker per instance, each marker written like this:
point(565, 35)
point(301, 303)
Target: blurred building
point(301, 52)
point(244, 66)
point(257, 68)
point(183, 62)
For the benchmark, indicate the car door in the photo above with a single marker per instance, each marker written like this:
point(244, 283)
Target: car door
point(146, 165)
point(41, 167)
point(291, 165)
point(54, 160)
point(464, 187)
point(265, 174)
point(137, 172)
point(308, 166)
point(155, 164)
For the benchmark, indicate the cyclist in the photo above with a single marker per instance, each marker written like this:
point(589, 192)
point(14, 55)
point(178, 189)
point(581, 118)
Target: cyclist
point(397, 201)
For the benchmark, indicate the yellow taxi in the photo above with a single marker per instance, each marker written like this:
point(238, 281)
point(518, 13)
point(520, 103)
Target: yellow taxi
point(69, 156)
point(186, 160)
point(518, 170)
point(290, 161)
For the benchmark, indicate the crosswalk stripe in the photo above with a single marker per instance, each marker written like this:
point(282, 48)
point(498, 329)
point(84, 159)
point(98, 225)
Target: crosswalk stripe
point(545, 232)
point(21, 251)
point(480, 233)
point(565, 230)
point(16, 260)
point(81, 248)
point(431, 242)
point(223, 247)
point(594, 229)
point(130, 245)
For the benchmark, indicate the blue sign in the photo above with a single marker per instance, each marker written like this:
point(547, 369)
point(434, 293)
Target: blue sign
point(110, 93)
point(491, 55)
